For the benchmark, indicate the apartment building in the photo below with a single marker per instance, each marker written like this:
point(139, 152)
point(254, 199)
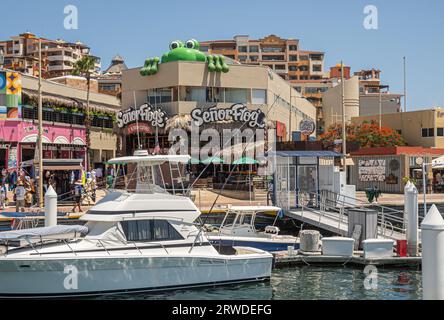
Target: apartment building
point(21, 54)
point(284, 56)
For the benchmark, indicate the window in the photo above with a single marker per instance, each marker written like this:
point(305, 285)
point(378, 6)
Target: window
point(303, 58)
point(196, 94)
point(428, 132)
point(149, 230)
point(272, 58)
point(242, 49)
point(279, 67)
point(236, 95)
point(254, 48)
point(215, 94)
point(293, 57)
point(292, 68)
point(259, 96)
point(242, 58)
point(317, 67)
point(254, 58)
point(303, 68)
point(273, 49)
point(317, 57)
point(293, 47)
point(162, 95)
point(440, 132)
point(293, 77)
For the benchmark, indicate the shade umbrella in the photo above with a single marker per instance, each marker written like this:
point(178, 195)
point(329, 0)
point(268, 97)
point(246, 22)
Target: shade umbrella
point(213, 160)
point(246, 160)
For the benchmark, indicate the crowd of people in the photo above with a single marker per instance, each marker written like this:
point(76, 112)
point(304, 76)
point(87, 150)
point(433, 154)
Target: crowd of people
point(20, 185)
point(19, 188)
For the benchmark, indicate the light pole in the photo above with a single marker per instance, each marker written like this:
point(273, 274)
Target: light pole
point(344, 129)
point(424, 184)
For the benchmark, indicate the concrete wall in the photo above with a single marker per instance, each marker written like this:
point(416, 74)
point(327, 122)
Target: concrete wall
point(369, 104)
point(332, 102)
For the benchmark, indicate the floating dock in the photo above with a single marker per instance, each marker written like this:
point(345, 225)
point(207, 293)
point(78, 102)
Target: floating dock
point(284, 260)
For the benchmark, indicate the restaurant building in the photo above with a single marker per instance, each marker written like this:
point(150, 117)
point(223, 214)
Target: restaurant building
point(179, 88)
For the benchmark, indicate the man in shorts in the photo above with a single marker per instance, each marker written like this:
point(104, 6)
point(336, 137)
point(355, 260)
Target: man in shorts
point(77, 191)
point(20, 193)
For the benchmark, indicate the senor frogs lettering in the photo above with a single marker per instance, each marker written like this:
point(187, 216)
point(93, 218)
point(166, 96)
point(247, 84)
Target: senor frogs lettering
point(145, 113)
point(238, 112)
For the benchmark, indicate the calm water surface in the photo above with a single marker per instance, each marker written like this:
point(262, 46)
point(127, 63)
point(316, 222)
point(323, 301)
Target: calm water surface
point(308, 283)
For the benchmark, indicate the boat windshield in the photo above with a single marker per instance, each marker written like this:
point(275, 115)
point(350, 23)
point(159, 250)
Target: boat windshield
point(148, 177)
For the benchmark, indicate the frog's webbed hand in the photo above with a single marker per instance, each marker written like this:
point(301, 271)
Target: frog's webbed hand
point(150, 67)
point(216, 63)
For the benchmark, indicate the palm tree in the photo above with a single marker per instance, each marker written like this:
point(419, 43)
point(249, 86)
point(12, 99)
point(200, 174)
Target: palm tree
point(84, 68)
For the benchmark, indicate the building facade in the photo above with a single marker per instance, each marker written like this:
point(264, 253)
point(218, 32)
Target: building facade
point(418, 128)
point(180, 87)
point(110, 81)
point(283, 56)
point(65, 134)
point(21, 54)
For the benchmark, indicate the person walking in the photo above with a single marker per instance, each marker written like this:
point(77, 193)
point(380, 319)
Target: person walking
point(20, 192)
point(3, 196)
point(77, 191)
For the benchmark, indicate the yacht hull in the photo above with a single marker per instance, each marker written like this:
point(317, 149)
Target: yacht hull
point(258, 243)
point(108, 275)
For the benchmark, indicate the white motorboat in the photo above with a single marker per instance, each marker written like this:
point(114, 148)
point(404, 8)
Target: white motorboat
point(238, 229)
point(132, 242)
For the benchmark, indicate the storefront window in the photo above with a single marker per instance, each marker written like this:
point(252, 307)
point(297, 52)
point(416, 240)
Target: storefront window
point(236, 95)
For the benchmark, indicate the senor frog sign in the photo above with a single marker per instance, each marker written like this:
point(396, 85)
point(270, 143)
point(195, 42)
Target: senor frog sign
point(145, 113)
point(237, 112)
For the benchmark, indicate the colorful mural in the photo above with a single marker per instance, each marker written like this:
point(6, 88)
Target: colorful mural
point(10, 95)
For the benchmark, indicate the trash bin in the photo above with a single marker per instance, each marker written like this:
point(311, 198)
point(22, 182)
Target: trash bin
point(401, 248)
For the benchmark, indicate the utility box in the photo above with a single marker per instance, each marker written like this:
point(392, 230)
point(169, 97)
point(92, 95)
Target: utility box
point(367, 219)
point(337, 246)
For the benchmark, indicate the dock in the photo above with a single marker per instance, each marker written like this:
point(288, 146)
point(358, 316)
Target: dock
point(283, 260)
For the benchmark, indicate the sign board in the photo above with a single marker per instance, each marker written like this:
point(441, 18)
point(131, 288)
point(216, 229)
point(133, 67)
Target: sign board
point(237, 112)
point(146, 113)
point(372, 170)
point(307, 127)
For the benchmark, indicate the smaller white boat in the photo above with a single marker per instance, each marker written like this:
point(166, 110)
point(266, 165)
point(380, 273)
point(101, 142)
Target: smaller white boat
point(238, 229)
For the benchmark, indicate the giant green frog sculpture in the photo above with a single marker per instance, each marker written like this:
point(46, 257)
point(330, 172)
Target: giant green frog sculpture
point(185, 52)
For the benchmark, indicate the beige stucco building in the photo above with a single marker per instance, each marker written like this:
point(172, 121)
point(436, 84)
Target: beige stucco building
point(418, 128)
point(181, 86)
point(332, 102)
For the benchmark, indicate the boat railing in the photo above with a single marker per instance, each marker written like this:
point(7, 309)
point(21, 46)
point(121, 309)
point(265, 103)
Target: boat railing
point(334, 206)
point(37, 243)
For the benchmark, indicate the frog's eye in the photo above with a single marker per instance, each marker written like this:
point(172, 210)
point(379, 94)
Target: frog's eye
point(175, 44)
point(192, 44)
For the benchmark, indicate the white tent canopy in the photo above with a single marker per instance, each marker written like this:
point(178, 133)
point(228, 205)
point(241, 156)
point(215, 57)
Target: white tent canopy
point(438, 163)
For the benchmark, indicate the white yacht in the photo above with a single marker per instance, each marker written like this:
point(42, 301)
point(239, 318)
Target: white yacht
point(238, 229)
point(131, 242)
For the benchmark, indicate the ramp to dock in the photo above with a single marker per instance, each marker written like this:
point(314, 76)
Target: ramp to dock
point(337, 223)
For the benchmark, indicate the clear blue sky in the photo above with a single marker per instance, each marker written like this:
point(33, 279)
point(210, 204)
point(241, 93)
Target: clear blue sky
point(139, 29)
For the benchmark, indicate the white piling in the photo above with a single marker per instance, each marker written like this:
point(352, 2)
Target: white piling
point(432, 236)
point(407, 187)
point(412, 221)
point(50, 207)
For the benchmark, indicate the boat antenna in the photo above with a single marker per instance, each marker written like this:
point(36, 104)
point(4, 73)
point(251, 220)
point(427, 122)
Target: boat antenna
point(137, 122)
point(228, 178)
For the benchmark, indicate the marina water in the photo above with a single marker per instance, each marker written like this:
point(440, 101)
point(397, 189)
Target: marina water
point(308, 283)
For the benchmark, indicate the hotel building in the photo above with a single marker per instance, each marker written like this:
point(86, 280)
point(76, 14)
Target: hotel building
point(21, 54)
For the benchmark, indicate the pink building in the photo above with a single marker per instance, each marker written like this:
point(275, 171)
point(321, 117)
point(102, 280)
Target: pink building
point(18, 138)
